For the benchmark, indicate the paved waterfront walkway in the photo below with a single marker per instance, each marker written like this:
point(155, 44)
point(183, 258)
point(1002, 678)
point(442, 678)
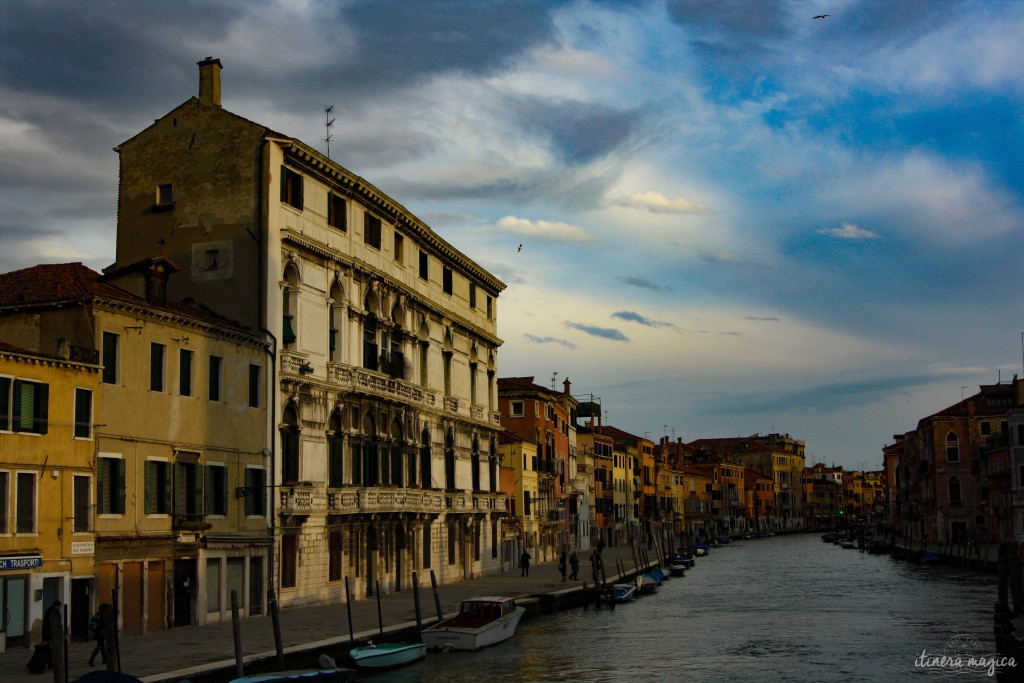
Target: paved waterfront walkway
point(182, 652)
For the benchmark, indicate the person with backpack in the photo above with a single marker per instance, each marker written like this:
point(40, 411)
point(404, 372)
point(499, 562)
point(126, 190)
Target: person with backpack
point(98, 629)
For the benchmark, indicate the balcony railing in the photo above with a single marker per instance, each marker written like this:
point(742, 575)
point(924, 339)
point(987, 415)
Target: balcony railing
point(188, 521)
point(493, 501)
point(385, 500)
point(296, 501)
point(378, 384)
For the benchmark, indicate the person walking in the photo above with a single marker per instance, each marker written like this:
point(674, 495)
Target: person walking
point(561, 565)
point(524, 562)
point(97, 628)
point(574, 565)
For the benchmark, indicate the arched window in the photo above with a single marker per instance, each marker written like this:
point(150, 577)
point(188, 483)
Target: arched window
point(426, 477)
point(952, 447)
point(336, 315)
point(366, 455)
point(449, 461)
point(954, 491)
point(290, 306)
point(370, 351)
point(397, 466)
point(492, 467)
point(290, 445)
point(336, 450)
point(475, 464)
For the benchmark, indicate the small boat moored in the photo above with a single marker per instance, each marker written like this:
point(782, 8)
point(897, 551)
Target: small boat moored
point(387, 655)
point(480, 622)
point(329, 675)
point(623, 592)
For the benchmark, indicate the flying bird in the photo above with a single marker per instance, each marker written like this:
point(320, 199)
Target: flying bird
point(520, 248)
point(823, 16)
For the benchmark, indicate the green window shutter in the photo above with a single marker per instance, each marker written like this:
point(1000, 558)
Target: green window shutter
point(119, 486)
point(5, 403)
point(250, 498)
point(150, 494)
point(41, 415)
point(198, 492)
point(102, 502)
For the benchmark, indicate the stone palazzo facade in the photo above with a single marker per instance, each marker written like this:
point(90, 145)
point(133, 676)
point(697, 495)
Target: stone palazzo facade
point(382, 343)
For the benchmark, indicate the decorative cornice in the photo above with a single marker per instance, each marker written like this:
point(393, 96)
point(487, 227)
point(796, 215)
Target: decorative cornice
point(333, 174)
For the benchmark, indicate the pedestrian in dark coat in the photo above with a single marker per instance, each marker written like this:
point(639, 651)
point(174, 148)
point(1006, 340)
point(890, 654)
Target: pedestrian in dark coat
point(524, 563)
point(561, 565)
point(574, 565)
point(97, 627)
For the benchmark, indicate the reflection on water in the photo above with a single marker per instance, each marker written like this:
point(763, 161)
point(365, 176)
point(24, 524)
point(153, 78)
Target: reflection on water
point(789, 608)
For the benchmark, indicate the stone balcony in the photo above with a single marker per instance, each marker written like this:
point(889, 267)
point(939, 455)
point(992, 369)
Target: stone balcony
point(379, 384)
point(384, 499)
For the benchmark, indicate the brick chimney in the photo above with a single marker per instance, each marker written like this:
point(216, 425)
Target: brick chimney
point(209, 81)
point(566, 385)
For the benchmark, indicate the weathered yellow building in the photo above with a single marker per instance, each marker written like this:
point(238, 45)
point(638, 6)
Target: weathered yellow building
point(47, 403)
point(180, 433)
point(521, 456)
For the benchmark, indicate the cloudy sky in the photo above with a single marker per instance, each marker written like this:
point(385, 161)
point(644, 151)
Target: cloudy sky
point(734, 218)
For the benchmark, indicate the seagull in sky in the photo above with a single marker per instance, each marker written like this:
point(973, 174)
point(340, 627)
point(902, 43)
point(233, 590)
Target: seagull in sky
point(823, 16)
point(520, 248)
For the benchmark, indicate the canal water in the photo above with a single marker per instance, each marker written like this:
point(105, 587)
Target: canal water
point(787, 608)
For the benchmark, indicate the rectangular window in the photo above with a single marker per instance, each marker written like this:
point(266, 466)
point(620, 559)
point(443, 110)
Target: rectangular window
point(256, 498)
point(216, 375)
point(83, 413)
point(212, 261)
point(254, 386)
point(515, 409)
point(82, 490)
point(5, 500)
point(424, 266)
point(446, 279)
point(185, 372)
point(290, 456)
point(427, 546)
point(216, 490)
point(472, 295)
point(29, 407)
point(334, 556)
point(399, 247)
point(157, 353)
point(110, 346)
point(289, 559)
point(110, 486)
point(25, 521)
point(164, 194)
point(371, 230)
point(158, 487)
point(452, 530)
point(291, 188)
point(986, 428)
point(188, 491)
point(490, 307)
point(336, 465)
point(337, 212)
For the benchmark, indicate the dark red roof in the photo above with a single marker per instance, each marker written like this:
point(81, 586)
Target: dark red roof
point(993, 400)
point(52, 284)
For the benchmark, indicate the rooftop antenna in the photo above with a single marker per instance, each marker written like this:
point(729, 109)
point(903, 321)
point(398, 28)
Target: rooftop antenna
point(328, 122)
point(554, 376)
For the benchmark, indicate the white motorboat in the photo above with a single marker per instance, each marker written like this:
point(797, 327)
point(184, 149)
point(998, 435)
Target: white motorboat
point(480, 622)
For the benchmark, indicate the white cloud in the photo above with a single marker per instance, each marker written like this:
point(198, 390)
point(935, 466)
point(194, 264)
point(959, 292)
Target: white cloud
point(655, 202)
point(546, 231)
point(951, 203)
point(849, 231)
